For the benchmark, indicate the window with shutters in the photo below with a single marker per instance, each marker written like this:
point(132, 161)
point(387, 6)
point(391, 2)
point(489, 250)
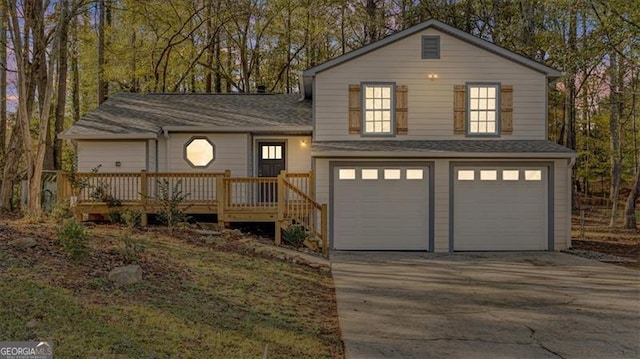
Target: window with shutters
point(378, 109)
point(482, 109)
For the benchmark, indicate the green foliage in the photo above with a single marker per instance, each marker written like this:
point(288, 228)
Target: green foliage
point(131, 218)
point(72, 235)
point(114, 215)
point(294, 235)
point(171, 200)
point(61, 212)
point(132, 247)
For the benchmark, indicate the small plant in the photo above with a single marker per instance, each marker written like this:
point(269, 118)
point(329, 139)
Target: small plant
point(72, 235)
point(132, 247)
point(61, 212)
point(131, 218)
point(171, 200)
point(114, 215)
point(294, 235)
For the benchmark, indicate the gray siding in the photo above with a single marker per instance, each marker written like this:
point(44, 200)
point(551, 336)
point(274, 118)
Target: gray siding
point(430, 103)
point(231, 153)
point(132, 156)
point(298, 152)
point(561, 210)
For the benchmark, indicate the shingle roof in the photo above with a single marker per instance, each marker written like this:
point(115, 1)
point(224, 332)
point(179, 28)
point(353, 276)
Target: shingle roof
point(463, 146)
point(138, 114)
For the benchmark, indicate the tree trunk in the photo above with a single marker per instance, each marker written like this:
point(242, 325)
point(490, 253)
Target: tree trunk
point(614, 128)
point(104, 19)
point(3, 80)
point(61, 99)
point(75, 71)
point(630, 207)
point(10, 170)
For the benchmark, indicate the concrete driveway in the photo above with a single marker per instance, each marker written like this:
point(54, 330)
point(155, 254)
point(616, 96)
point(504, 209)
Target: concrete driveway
point(485, 305)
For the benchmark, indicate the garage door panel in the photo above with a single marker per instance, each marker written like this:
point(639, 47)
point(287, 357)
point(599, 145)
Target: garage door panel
point(500, 214)
point(382, 214)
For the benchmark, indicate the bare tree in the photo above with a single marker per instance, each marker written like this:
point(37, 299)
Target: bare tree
point(34, 73)
point(630, 207)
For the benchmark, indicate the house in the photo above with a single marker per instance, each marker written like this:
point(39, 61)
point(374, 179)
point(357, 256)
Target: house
point(430, 139)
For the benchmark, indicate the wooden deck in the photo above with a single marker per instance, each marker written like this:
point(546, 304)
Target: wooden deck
point(284, 200)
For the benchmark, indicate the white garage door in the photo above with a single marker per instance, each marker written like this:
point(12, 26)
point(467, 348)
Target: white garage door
point(500, 208)
point(381, 207)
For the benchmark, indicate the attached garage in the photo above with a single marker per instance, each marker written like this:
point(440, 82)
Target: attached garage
point(496, 208)
point(381, 206)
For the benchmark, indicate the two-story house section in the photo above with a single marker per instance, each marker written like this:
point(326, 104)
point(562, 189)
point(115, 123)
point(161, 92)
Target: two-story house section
point(435, 140)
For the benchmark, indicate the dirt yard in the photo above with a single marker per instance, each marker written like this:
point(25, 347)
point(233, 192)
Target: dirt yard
point(592, 233)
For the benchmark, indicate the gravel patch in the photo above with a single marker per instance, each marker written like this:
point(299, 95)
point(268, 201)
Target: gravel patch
point(596, 255)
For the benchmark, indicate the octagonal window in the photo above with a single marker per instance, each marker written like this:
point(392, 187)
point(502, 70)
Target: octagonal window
point(199, 152)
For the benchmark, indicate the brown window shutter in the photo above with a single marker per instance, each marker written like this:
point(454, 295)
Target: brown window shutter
point(459, 110)
point(506, 109)
point(354, 109)
point(402, 101)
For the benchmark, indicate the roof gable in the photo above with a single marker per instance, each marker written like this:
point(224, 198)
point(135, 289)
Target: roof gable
point(430, 24)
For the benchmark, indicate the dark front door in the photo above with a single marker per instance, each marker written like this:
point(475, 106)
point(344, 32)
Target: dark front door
point(271, 160)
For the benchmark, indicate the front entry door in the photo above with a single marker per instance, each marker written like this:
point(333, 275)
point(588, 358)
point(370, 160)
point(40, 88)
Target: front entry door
point(271, 160)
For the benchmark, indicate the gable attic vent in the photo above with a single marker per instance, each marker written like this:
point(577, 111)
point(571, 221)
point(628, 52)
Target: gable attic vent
point(431, 47)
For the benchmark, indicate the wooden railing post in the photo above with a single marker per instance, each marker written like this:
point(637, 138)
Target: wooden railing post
point(312, 185)
point(60, 187)
point(323, 231)
point(144, 195)
point(221, 196)
point(281, 207)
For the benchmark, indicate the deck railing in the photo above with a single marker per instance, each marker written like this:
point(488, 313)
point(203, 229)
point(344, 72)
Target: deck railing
point(298, 207)
point(290, 196)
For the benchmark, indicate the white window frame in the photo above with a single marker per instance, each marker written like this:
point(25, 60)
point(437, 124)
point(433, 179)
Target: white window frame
point(479, 108)
point(375, 103)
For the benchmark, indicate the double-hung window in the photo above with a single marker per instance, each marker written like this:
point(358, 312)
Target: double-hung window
point(483, 112)
point(378, 109)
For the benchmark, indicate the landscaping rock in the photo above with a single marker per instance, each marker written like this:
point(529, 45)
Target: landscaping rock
point(23, 243)
point(32, 323)
point(89, 224)
point(127, 275)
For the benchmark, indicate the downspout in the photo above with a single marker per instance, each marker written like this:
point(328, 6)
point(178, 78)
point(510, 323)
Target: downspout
point(571, 163)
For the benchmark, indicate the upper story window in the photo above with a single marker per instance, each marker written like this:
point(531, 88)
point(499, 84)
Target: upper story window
point(483, 114)
point(199, 152)
point(378, 109)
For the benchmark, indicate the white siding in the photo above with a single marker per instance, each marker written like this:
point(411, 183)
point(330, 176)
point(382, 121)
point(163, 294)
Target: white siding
point(132, 156)
point(297, 152)
point(231, 153)
point(430, 103)
point(152, 156)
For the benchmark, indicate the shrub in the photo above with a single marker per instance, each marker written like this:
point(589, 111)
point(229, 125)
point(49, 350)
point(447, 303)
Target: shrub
point(131, 218)
point(132, 247)
point(294, 235)
point(114, 216)
point(171, 200)
point(61, 212)
point(72, 235)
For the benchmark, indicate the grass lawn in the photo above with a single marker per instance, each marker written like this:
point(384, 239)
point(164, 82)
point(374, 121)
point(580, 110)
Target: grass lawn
point(195, 301)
